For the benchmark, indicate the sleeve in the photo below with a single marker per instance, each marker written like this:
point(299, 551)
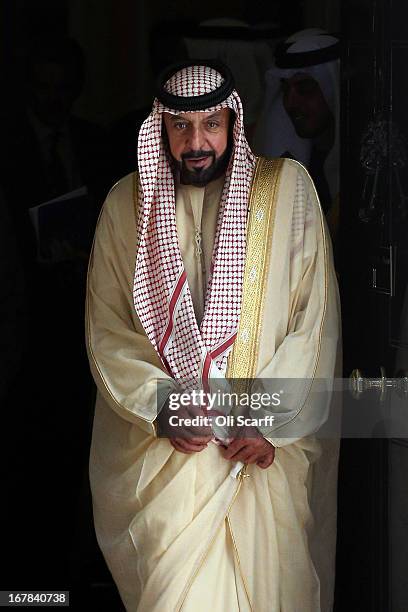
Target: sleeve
point(124, 364)
point(306, 360)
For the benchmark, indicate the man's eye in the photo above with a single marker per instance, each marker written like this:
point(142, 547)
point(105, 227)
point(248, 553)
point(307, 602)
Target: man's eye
point(180, 125)
point(213, 124)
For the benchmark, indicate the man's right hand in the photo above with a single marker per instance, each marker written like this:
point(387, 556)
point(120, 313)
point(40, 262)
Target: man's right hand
point(191, 439)
point(190, 445)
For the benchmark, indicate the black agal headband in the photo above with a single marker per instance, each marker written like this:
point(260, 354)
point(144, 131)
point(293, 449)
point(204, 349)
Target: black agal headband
point(195, 103)
point(303, 59)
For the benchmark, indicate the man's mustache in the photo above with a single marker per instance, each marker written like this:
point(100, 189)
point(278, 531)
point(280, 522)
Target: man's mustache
point(197, 154)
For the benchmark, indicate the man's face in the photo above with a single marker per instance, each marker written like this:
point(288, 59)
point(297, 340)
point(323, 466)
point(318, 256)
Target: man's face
point(198, 143)
point(306, 106)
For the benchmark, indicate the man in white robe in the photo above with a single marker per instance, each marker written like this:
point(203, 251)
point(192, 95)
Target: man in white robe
point(208, 263)
point(300, 117)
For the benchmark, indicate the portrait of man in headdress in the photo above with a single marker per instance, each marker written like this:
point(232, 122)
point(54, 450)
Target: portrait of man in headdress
point(209, 266)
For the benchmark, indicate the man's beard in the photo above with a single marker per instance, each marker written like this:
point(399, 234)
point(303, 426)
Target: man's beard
point(200, 177)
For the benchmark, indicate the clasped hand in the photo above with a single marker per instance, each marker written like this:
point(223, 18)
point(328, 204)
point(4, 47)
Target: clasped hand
point(249, 447)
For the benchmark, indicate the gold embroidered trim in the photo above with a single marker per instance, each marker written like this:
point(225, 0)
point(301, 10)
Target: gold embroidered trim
point(326, 286)
point(243, 360)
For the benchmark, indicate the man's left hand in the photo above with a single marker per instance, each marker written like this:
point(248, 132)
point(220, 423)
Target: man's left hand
point(250, 450)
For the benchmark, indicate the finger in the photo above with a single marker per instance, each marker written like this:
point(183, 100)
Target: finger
point(195, 434)
point(200, 439)
point(233, 448)
point(252, 458)
point(247, 455)
point(254, 451)
point(266, 461)
point(270, 450)
point(179, 449)
point(249, 446)
point(187, 444)
point(186, 451)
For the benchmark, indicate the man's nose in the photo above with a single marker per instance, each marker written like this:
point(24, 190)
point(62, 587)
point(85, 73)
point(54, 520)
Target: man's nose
point(196, 139)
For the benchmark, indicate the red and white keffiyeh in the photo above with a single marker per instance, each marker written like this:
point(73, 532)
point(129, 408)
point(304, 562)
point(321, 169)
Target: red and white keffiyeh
point(162, 298)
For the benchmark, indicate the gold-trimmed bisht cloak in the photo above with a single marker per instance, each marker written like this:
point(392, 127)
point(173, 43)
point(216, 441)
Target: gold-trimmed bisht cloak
point(181, 532)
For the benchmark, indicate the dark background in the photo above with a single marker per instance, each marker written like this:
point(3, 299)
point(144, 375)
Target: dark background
point(47, 538)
